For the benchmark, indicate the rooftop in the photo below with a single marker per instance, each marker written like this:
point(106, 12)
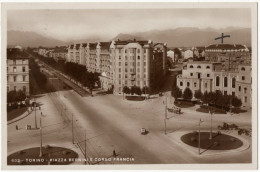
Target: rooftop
point(226, 46)
point(14, 53)
point(105, 45)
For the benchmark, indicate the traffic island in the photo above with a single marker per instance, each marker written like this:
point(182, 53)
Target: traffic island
point(218, 142)
point(50, 156)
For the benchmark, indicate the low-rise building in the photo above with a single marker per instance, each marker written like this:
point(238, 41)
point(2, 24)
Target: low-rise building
point(17, 70)
point(210, 77)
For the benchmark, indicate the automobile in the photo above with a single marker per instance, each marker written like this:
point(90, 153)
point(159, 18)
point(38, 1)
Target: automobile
point(143, 131)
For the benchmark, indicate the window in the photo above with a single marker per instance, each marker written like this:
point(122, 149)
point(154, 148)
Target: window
point(208, 75)
point(24, 77)
point(138, 57)
point(181, 83)
point(119, 69)
point(14, 68)
point(119, 82)
point(199, 67)
point(245, 89)
point(245, 99)
point(119, 75)
point(138, 69)
point(144, 63)
point(191, 74)
point(217, 81)
point(191, 66)
point(125, 69)
point(233, 82)
point(23, 68)
point(14, 78)
point(243, 78)
point(144, 69)
point(239, 88)
point(188, 84)
point(125, 57)
point(208, 67)
point(119, 63)
point(125, 63)
point(119, 57)
point(243, 69)
point(24, 89)
point(125, 50)
point(125, 82)
point(138, 51)
point(119, 50)
point(195, 84)
point(125, 75)
point(138, 63)
point(225, 81)
point(206, 84)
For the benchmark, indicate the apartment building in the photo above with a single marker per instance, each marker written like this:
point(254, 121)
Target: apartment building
point(124, 63)
point(209, 76)
point(17, 70)
point(230, 55)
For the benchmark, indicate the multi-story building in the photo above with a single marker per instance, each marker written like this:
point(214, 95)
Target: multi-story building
point(124, 63)
point(17, 70)
point(59, 54)
point(209, 76)
point(230, 55)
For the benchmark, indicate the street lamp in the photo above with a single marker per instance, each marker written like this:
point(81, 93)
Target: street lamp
point(199, 134)
point(211, 112)
point(41, 137)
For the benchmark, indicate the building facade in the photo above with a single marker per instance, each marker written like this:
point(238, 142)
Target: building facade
point(17, 70)
point(209, 76)
point(230, 55)
point(124, 63)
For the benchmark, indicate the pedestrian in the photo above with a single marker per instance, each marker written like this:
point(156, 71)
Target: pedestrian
point(16, 127)
point(114, 153)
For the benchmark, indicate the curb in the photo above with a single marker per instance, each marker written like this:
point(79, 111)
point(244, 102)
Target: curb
point(19, 118)
point(193, 150)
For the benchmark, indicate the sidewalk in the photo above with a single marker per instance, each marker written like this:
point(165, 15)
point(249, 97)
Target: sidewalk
point(25, 114)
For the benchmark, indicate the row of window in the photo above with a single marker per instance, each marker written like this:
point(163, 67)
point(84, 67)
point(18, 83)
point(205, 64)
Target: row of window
point(131, 70)
point(199, 67)
point(15, 78)
point(15, 69)
point(15, 89)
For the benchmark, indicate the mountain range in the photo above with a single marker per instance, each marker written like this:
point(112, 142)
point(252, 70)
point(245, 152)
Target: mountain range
point(179, 37)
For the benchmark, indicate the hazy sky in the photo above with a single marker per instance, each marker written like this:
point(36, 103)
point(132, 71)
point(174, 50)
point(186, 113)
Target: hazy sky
point(83, 24)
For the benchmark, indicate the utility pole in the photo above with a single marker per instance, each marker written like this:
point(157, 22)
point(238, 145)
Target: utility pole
point(199, 134)
point(165, 117)
point(85, 147)
point(35, 113)
point(41, 137)
point(72, 130)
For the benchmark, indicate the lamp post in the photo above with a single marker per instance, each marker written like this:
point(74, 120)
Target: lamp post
point(199, 135)
point(41, 137)
point(35, 119)
point(211, 111)
point(72, 129)
point(165, 114)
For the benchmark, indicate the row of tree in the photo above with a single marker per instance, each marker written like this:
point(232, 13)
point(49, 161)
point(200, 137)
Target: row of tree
point(213, 98)
point(15, 96)
point(75, 71)
point(135, 90)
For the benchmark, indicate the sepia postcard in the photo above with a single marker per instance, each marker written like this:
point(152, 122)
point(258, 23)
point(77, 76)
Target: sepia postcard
point(129, 85)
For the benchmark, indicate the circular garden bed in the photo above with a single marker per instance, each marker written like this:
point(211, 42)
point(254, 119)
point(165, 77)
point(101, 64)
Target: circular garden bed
point(50, 155)
point(218, 141)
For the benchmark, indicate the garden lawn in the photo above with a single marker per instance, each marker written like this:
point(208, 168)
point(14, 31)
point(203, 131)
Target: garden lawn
point(16, 113)
point(48, 154)
point(218, 141)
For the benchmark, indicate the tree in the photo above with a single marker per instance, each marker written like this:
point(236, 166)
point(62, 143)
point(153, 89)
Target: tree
point(198, 94)
point(126, 90)
point(145, 90)
point(236, 102)
point(133, 90)
point(138, 91)
point(176, 92)
point(187, 94)
point(177, 52)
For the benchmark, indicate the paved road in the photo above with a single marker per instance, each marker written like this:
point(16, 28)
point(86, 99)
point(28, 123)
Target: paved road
point(117, 125)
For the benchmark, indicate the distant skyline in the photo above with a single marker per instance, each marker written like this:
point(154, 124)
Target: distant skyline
point(69, 25)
